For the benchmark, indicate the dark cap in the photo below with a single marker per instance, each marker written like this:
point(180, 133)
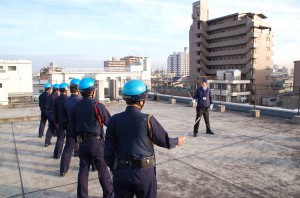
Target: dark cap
point(204, 80)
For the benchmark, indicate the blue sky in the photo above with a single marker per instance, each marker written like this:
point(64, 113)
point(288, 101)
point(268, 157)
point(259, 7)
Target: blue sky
point(84, 33)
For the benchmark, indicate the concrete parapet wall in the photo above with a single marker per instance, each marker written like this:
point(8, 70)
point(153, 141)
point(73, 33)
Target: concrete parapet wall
point(270, 111)
point(20, 119)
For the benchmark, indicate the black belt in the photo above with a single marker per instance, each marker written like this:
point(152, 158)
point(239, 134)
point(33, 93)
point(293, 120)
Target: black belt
point(84, 138)
point(143, 163)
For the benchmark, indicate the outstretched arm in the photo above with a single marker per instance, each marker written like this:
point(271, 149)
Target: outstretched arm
point(161, 137)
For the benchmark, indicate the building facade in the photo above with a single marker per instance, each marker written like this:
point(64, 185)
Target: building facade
point(229, 87)
point(179, 64)
point(296, 75)
point(132, 60)
point(238, 41)
point(15, 80)
point(114, 63)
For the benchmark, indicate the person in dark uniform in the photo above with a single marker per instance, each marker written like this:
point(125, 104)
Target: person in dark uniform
point(52, 126)
point(61, 131)
point(87, 119)
point(65, 122)
point(204, 104)
point(129, 140)
point(43, 108)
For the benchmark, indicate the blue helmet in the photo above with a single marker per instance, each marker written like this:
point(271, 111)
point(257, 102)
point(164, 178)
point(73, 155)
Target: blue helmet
point(56, 86)
point(87, 84)
point(134, 90)
point(63, 86)
point(75, 81)
point(47, 85)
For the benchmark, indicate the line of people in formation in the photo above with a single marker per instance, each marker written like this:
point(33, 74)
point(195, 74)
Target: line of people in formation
point(124, 156)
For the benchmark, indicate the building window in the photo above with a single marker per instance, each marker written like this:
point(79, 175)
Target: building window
point(268, 38)
point(268, 49)
point(267, 77)
point(267, 58)
point(1, 67)
point(12, 68)
point(0, 85)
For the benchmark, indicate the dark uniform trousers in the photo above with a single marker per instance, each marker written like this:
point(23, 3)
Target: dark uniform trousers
point(61, 134)
point(129, 180)
point(205, 112)
point(52, 128)
point(70, 146)
point(89, 150)
point(42, 122)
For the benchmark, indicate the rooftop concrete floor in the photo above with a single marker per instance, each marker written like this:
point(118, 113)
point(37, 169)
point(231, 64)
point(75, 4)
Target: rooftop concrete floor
point(247, 157)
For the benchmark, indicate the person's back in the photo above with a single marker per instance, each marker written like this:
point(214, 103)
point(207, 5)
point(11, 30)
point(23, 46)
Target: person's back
point(58, 101)
point(43, 101)
point(65, 122)
point(50, 101)
point(43, 107)
point(131, 131)
point(129, 140)
point(61, 132)
point(87, 119)
point(52, 126)
point(73, 99)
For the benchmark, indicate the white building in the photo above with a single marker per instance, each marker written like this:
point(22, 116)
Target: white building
point(229, 87)
point(15, 80)
point(109, 82)
point(178, 63)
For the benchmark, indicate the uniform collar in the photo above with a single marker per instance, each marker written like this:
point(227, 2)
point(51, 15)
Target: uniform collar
point(74, 95)
point(203, 89)
point(133, 108)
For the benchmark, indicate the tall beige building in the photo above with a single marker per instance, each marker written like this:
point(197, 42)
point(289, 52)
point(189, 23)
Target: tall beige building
point(237, 41)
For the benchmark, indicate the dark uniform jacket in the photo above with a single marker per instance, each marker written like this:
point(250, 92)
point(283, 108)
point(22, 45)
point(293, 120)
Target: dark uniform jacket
point(84, 118)
point(65, 118)
point(50, 102)
point(128, 137)
point(43, 101)
point(57, 106)
point(204, 97)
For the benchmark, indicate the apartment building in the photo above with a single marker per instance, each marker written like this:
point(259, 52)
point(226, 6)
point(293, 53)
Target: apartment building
point(178, 63)
point(229, 87)
point(132, 60)
point(114, 63)
point(296, 75)
point(237, 41)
